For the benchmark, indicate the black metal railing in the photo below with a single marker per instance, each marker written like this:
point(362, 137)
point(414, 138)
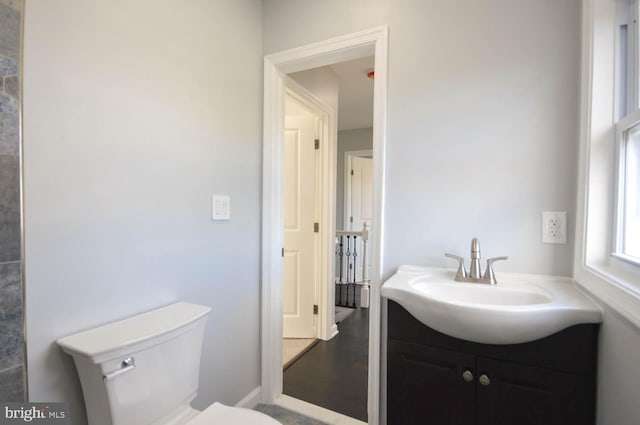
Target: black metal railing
point(352, 281)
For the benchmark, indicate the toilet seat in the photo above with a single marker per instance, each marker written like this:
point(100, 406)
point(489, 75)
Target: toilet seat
point(219, 414)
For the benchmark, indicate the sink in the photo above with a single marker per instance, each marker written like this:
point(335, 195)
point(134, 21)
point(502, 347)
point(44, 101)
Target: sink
point(520, 308)
point(479, 294)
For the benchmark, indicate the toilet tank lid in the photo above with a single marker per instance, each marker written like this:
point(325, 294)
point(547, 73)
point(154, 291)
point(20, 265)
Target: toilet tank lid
point(136, 332)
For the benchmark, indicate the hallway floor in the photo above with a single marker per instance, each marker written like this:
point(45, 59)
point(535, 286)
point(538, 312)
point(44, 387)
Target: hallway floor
point(333, 374)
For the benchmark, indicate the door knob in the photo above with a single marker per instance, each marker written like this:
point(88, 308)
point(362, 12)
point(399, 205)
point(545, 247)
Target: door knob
point(467, 376)
point(484, 380)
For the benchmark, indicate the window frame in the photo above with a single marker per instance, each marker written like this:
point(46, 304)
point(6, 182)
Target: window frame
point(605, 276)
point(629, 122)
point(627, 86)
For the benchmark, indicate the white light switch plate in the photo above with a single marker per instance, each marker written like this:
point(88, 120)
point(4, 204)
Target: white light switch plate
point(220, 207)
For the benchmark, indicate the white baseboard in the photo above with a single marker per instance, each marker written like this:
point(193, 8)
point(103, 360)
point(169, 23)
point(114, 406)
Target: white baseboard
point(251, 400)
point(334, 331)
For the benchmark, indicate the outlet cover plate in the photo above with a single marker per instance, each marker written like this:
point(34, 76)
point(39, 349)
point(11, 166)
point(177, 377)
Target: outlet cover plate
point(554, 227)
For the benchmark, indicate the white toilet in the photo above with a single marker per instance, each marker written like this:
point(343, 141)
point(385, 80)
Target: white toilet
point(144, 371)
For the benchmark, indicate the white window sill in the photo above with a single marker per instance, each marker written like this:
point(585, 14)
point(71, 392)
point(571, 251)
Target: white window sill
point(618, 287)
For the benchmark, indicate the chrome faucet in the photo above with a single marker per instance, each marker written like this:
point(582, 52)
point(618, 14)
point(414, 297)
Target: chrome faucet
point(475, 274)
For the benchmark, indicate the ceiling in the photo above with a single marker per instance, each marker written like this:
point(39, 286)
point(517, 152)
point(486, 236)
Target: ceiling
point(355, 107)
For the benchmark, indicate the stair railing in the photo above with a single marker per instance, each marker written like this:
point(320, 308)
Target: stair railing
point(351, 267)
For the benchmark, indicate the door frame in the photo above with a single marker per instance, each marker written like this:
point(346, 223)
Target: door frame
point(324, 326)
point(348, 155)
point(339, 49)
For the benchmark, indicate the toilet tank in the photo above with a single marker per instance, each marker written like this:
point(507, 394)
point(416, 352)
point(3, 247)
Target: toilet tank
point(141, 370)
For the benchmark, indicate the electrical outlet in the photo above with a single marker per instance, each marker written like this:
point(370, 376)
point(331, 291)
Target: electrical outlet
point(554, 227)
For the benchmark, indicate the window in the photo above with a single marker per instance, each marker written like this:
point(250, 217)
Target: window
point(607, 261)
point(627, 235)
point(629, 199)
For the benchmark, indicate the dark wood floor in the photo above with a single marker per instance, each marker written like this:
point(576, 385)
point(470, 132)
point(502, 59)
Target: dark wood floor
point(333, 374)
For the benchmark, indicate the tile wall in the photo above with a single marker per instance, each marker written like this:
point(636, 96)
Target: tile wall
point(11, 333)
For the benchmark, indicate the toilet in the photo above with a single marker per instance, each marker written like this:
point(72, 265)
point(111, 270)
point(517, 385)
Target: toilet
point(144, 371)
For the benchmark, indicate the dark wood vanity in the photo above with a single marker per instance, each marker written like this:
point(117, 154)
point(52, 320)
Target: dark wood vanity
point(435, 379)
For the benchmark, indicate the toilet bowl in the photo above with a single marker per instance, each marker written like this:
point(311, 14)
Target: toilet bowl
point(144, 371)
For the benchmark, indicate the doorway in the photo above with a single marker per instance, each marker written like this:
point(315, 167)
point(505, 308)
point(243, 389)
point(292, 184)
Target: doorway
point(336, 50)
point(307, 121)
point(333, 373)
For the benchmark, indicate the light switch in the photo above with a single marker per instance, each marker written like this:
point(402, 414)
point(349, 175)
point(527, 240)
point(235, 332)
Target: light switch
point(220, 207)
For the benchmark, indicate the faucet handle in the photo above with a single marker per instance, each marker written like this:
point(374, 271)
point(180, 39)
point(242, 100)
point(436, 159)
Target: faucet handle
point(488, 272)
point(462, 272)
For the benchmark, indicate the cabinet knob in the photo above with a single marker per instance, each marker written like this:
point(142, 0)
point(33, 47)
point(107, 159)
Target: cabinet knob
point(467, 376)
point(484, 380)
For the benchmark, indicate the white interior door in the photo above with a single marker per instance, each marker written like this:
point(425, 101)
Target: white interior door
point(299, 217)
point(361, 202)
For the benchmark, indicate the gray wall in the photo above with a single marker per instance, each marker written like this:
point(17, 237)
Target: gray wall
point(348, 140)
point(11, 336)
point(481, 123)
point(618, 371)
point(134, 114)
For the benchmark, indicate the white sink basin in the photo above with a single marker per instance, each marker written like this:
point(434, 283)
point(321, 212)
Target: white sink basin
point(520, 308)
point(475, 294)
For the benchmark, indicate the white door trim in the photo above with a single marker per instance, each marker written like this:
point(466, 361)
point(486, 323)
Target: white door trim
point(352, 46)
point(346, 205)
point(325, 204)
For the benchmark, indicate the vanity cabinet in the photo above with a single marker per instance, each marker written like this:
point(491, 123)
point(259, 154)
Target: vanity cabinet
point(435, 379)
point(425, 386)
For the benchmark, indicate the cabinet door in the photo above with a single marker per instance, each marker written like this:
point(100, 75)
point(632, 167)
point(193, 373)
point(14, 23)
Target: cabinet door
point(426, 386)
point(515, 394)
